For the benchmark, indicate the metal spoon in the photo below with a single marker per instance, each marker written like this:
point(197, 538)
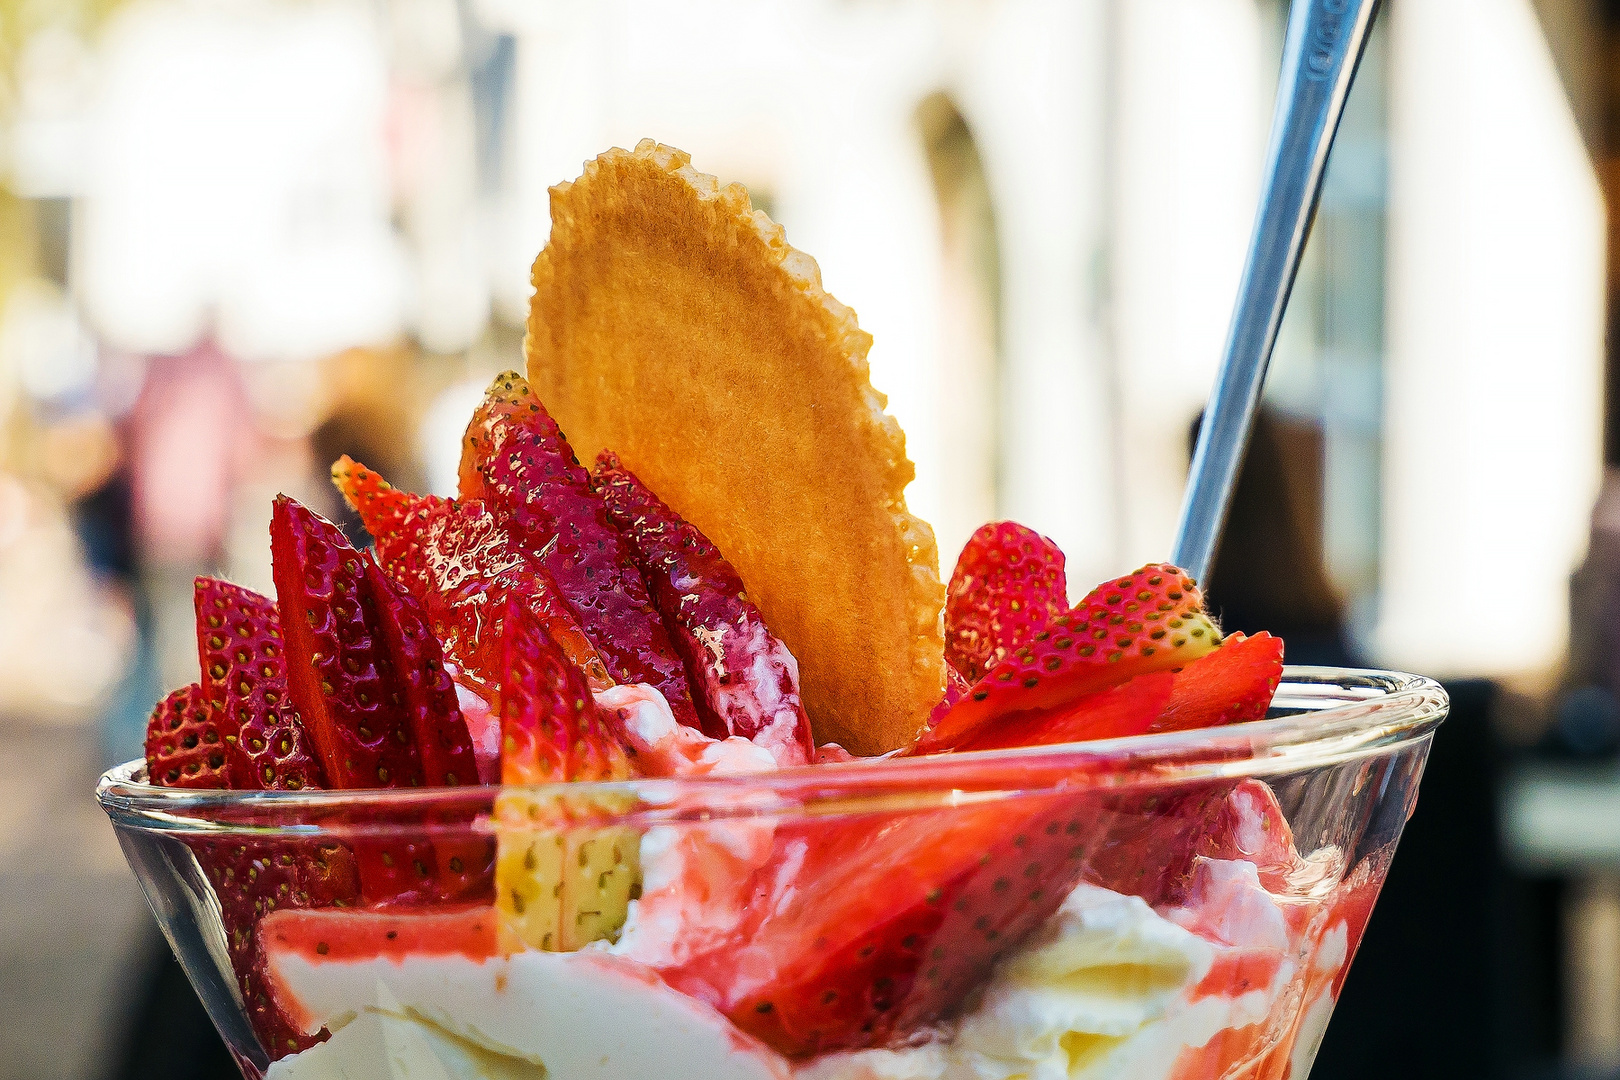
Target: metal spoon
point(1320, 55)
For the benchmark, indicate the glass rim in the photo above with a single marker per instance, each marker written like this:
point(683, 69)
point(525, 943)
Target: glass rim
point(1335, 715)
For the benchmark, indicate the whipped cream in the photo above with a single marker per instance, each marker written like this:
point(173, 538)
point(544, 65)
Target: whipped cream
point(760, 702)
point(695, 879)
point(663, 747)
point(394, 1042)
point(562, 1016)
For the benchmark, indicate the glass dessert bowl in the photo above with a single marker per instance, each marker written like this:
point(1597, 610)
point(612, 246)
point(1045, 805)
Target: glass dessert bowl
point(601, 770)
point(1182, 905)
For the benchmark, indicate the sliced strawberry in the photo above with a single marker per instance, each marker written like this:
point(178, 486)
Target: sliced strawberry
point(1008, 583)
point(893, 920)
point(352, 701)
point(339, 936)
point(250, 719)
point(1147, 843)
point(244, 686)
point(890, 924)
point(559, 883)
point(242, 654)
point(252, 878)
point(1151, 621)
point(528, 475)
point(442, 739)
point(506, 402)
point(397, 520)
point(185, 742)
point(481, 566)
point(746, 680)
point(1231, 685)
point(437, 729)
point(462, 566)
point(338, 666)
point(1130, 708)
point(550, 728)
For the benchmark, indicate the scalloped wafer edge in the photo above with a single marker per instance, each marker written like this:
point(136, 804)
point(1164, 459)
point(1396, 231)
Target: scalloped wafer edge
point(869, 699)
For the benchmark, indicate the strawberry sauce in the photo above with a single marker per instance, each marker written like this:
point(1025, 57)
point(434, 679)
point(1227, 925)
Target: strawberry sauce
point(335, 936)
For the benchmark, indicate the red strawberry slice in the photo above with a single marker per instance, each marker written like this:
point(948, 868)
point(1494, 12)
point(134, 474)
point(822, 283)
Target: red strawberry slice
point(397, 520)
point(252, 879)
point(462, 566)
point(1009, 581)
point(550, 728)
point(340, 936)
point(747, 682)
point(891, 922)
point(437, 729)
point(352, 702)
point(481, 566)
point(242, 654)
point(337, 665)
point(1128, 709)
point(244, 688)
point(507, 401)
point(1231, 685)
point(1147, 843)
point(441, 736)
point(531, 479)
point(1152, 620)
point(185, 742)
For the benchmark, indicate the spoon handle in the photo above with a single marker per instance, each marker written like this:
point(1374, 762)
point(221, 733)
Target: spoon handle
point(1324, 45)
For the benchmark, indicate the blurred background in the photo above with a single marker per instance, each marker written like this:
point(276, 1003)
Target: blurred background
point(240, 237)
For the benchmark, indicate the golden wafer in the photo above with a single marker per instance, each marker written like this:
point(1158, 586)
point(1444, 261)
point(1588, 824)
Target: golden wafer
point(672, 323)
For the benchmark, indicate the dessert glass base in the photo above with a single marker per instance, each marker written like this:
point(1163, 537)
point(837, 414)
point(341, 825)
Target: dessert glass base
point(1180, 906)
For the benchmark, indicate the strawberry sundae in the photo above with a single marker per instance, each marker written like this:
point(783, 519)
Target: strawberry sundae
point(655, 753)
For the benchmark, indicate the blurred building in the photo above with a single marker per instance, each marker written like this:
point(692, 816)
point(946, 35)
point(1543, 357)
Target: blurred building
point(238, 238)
